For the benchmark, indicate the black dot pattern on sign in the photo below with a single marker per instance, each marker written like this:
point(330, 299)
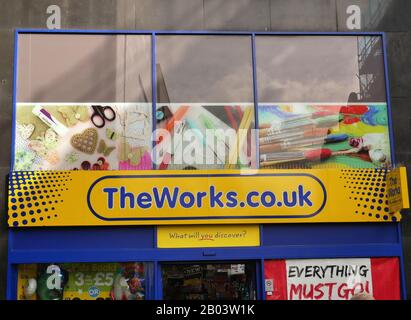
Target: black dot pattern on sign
point(371, 184)
point(29, 189)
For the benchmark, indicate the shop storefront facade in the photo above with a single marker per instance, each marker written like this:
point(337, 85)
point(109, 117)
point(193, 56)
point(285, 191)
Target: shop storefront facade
point(320, 105)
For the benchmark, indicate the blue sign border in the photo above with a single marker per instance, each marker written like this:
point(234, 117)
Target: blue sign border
point(207, 176)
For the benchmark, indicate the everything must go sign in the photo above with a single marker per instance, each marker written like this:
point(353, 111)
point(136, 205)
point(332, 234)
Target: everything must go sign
point(332, 279)
point(328, 280)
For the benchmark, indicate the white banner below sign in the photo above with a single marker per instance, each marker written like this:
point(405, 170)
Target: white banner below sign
point(336, 279)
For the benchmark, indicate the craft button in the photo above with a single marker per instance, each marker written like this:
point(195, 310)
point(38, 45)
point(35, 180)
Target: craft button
point(159, 115)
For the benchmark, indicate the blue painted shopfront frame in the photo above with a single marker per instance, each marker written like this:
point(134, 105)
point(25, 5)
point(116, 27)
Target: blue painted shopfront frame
point(278, 241)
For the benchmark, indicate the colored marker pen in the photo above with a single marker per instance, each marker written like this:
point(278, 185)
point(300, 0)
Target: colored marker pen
point(49, 120)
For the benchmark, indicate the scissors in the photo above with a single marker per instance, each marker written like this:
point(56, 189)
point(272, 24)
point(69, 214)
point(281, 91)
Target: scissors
point(101, 114)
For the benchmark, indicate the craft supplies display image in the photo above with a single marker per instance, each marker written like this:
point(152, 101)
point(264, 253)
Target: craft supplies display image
point(332, 279)
point(90, 136)
point(82, 281)
point(335, 135)
point(200, 136)
point(209, 281)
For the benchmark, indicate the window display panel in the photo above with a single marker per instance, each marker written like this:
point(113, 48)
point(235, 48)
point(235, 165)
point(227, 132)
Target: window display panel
point(205, 109)
point(332, 279)
point(83, 102)
point(209, 281)
point(322, 102)
point(84, 281)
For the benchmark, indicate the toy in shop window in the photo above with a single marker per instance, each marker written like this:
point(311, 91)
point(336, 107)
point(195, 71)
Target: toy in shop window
point(82, 281)
point(49, 284)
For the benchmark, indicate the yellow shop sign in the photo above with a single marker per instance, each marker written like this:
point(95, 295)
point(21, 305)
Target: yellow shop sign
point(81, 198)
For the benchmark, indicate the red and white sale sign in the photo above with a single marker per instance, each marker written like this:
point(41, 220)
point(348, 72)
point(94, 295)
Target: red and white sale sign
point(332, 279)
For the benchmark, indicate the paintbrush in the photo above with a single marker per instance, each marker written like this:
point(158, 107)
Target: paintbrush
point(241, 136)
point(299, 143)
point(309, 155)
point(294, 135)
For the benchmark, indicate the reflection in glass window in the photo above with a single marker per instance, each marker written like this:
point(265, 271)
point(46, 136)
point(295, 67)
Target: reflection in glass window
point(322, 102)
point(204, 69)
point(319, 68)
point(79, 68)
point(83, 102)
point(204, 102)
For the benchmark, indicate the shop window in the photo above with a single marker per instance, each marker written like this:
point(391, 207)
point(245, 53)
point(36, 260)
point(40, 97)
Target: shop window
point(83, 102)
point(209, 281)
point(85, 281)
point(205, 101)
point(322, 102)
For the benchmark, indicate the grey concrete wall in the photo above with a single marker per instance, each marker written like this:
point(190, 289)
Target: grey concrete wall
point(391, 16)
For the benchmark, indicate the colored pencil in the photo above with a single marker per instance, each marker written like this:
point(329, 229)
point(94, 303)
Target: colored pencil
point(230, 117)
point(241, 136)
